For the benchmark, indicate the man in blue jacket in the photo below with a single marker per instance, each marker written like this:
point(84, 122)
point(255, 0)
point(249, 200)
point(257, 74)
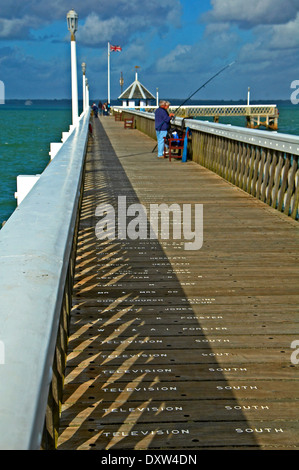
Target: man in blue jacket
point(162, 122)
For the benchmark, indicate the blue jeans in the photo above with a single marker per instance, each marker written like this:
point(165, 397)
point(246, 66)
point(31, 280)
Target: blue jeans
point(160, 139)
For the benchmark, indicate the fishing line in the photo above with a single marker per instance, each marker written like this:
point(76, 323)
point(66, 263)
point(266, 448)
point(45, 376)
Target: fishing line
point(202, 86)
point(198, 89)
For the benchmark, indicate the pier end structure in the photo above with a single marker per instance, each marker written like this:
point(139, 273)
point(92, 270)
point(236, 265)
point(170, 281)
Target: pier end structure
point(256, 115)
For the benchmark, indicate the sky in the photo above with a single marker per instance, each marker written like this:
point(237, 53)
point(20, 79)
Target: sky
point(177, 45)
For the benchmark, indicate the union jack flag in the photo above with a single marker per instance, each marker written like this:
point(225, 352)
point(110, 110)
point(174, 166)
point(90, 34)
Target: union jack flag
point(115, 48)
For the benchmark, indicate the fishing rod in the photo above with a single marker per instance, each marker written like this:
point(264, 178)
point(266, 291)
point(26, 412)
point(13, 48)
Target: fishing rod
point(202, 86)
point(198, 89)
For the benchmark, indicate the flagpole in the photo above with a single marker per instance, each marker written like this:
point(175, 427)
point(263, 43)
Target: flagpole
point(108, 72)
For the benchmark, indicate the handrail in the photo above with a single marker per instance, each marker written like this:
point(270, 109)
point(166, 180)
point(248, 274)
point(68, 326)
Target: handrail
point(272, 140)
point(257, 115)
point(262, 163)
point(35, 249)
point(246, 108)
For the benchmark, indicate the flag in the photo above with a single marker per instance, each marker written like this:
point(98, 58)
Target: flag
point(115, 48)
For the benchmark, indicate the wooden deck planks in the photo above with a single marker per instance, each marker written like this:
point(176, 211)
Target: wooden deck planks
point(176, 349)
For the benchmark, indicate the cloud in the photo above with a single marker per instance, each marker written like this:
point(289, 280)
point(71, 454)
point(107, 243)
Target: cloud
point(264, 38)
point(96, 31)
point(97, 19)
point(255, 12)
point(175, 59)
point(284, 36)
point(17, 28)
point(272, 45)
point(201, 58)
point(26, 76)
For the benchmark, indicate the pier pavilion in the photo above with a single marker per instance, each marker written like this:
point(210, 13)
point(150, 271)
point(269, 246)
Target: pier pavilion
point(136, 95)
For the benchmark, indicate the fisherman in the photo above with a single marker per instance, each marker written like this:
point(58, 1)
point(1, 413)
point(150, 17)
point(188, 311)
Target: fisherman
point(162, 124)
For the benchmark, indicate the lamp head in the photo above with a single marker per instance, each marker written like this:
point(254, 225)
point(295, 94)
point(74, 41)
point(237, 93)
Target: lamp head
point(72, 22)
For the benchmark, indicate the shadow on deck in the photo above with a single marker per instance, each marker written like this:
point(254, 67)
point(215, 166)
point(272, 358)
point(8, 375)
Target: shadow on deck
point(174, 349)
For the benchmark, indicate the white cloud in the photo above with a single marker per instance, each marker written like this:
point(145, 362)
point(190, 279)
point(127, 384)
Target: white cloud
point(17, 27)
point(96, 31)
point(264, 37)
point(203, 57)
point(273, 45)
point(254, 12)
point(285, 36)
point(118, 15)
point(175, 59)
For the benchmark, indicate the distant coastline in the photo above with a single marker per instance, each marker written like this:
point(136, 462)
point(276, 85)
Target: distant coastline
point(173, 101)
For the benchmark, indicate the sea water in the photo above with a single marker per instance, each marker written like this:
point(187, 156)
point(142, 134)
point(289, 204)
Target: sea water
point(26, 132)
point(25, 136)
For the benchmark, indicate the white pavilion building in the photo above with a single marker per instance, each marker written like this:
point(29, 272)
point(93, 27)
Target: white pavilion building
point(136, 95)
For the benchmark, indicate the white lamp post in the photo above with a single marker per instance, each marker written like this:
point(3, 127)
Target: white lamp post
point(83, 65)
point(72, 24)
point(87, 93)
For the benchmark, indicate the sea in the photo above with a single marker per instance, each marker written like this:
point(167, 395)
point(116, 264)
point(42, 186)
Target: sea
point(28, 127)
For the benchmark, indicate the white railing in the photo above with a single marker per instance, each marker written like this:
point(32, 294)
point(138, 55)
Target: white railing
point(256, 115)
point(35, 267)
point(262, 163)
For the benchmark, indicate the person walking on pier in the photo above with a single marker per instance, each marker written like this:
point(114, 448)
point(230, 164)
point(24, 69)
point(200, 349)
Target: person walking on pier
point(162, 124)
point(95, 110)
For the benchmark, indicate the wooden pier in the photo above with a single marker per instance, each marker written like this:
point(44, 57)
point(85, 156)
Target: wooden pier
point(180, 349)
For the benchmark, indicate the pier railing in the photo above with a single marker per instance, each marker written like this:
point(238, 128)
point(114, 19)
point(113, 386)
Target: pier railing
point(262, 163)
point(37, 246)
point(256, 115)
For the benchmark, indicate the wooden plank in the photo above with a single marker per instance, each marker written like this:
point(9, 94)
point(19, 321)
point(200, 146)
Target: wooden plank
point(217, 358)
point(178, 372)
point(181, 436)
point(146, 342)
point(171, 349)
point(173, 411)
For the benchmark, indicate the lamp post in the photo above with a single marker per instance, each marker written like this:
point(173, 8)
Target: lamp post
point(87, 92)
point(121, 82)
point(72, 24)
point(83, 65)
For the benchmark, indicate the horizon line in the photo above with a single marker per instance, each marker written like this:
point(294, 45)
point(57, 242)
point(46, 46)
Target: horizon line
point(173, 99)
